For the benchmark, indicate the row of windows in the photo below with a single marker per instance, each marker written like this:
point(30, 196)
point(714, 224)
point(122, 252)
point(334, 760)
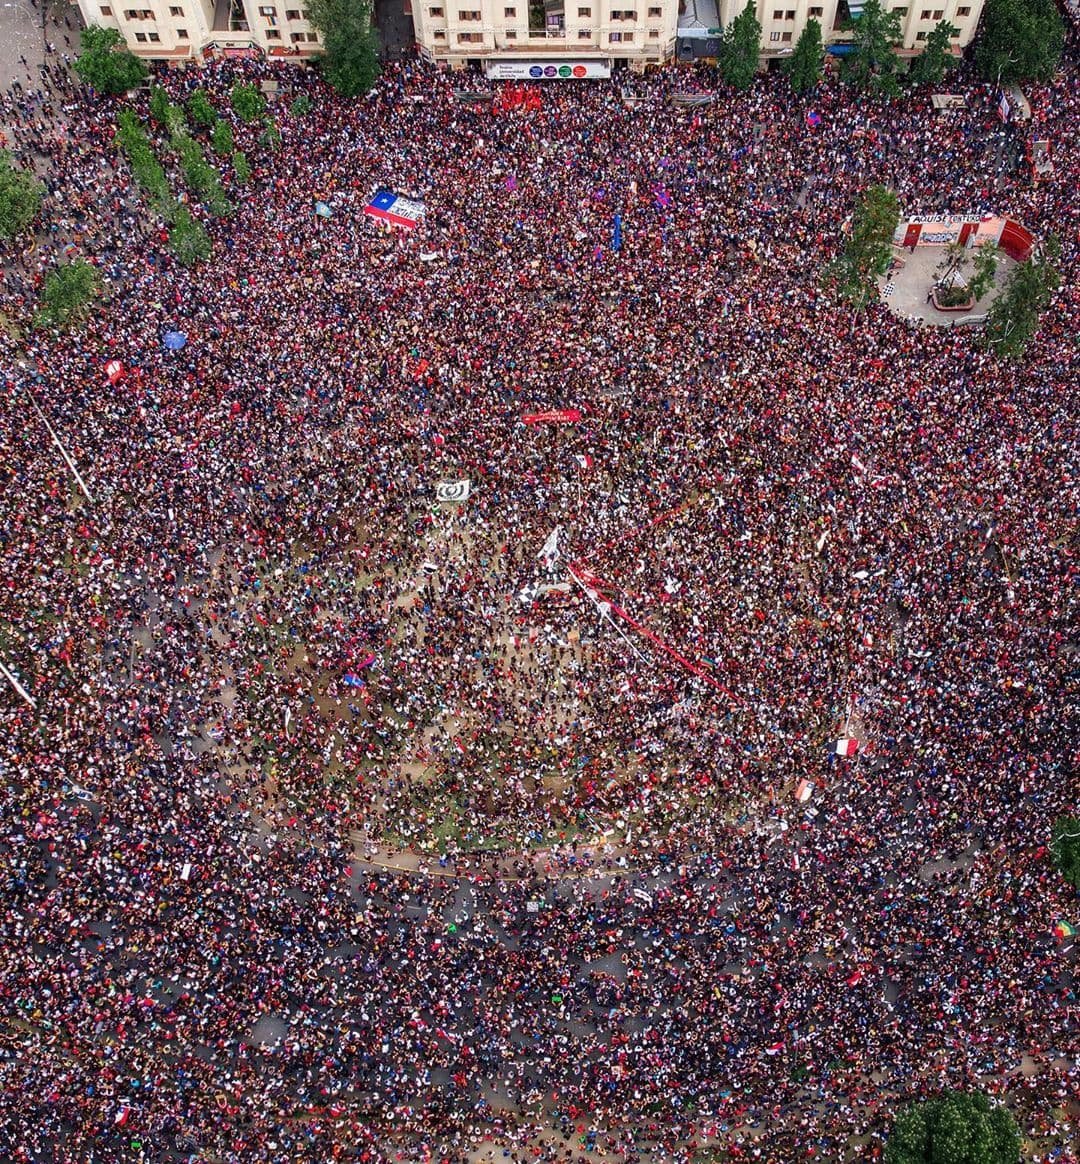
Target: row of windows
point(182, 34)
point(267, 11)
point(465, 17)
point(583, 34)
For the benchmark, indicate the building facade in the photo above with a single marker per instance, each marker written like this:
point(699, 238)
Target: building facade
point(513, 38)
point(195, 29)
point(702, 22)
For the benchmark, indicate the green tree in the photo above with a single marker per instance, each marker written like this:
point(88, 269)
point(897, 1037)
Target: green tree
point(301, 107)
point(740, 48)
point(270, 137)
point(932, 63)
point(985, 270)
point(954, 1128)
point(20, 198)
point(241, 167)
point(203, 179)
point(247, 102)
point(145, 167)
point(803, 68)
point(1019, 40)
point(872, 66)
point(868, 247)
point(350, 61)
point(188, 239)
point(159, 104)
point(1013, 317)
point(200, 109)
point(105, 64)
point(68, 292)
point(1065, 846)
point(221, 137)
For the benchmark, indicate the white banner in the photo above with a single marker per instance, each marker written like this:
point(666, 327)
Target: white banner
point(453, 490)
point(547, 70)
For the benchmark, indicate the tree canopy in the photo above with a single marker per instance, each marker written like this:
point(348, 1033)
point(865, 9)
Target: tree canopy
point(1013, 318)
point(1019, 40)
point(1065, 846)
point(872, 66)
point(247, 102)
point(804, 66)
point(930, 66)
point(868, 247)
point(740, 48)
point(20, 198)
point(68, 292)
point(188, 239)
point(105, 64)
point(955, 1128)
point(350, 61)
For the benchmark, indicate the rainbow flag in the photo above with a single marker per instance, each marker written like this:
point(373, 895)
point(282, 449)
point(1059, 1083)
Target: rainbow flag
point(1063, 930)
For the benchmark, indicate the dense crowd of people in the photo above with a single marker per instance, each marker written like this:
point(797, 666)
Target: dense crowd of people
point(262, 665)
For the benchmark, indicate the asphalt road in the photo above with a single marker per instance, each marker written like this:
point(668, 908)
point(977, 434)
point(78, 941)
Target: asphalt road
point(20, 36)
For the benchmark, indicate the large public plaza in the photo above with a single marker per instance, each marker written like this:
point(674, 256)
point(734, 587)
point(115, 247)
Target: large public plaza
point(525, 671)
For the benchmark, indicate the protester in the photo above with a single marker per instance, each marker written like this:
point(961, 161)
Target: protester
point(268, 666)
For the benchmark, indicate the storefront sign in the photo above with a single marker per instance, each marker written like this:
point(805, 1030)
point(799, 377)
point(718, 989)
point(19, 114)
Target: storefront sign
point(547, 70)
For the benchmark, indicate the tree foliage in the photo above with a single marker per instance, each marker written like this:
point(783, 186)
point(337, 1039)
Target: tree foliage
point(350, 61)
point(1065, 846)
point(221, 137)
point(69, 290)
point(20, 198)
point(202, 178)
point(931, 64)
point(740, 48)
point(159, 104)
point(803, 68)
point(872, 66)
point(955, 1128)
point(1019, 40)
point(247, 102)
point(985, 269)
point(868, 247)
point(241, 167)
point(105, 64)
point(200, 108)
point(301, 107)
point(1013, 318)
point(188, 239)
point(270, 138)
point(147, 170)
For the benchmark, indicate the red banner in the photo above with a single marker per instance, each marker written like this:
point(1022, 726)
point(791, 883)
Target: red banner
point(558, 416)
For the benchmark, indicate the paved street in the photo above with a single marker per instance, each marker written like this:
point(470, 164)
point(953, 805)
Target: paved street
point(20, 36)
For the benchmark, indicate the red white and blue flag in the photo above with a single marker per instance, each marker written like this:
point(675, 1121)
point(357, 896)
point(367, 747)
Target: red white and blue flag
point(395, 209)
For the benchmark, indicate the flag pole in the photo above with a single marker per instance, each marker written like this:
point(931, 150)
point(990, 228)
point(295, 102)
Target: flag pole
point(17, 685)
point(56, 440)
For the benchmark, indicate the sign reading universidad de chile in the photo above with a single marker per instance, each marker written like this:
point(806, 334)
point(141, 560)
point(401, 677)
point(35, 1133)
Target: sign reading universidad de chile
point(547, 70)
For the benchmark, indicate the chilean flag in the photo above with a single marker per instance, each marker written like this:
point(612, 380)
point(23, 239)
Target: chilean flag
point(395, 209)
point(584, 460)
point(846, 747)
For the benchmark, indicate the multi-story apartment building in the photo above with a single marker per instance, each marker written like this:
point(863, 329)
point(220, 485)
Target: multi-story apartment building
point(554, 38)
point(182, 29)
point(702, 22)
point(516, 38)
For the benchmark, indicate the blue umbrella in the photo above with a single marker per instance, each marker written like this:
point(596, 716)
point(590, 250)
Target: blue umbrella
point(174, 340)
